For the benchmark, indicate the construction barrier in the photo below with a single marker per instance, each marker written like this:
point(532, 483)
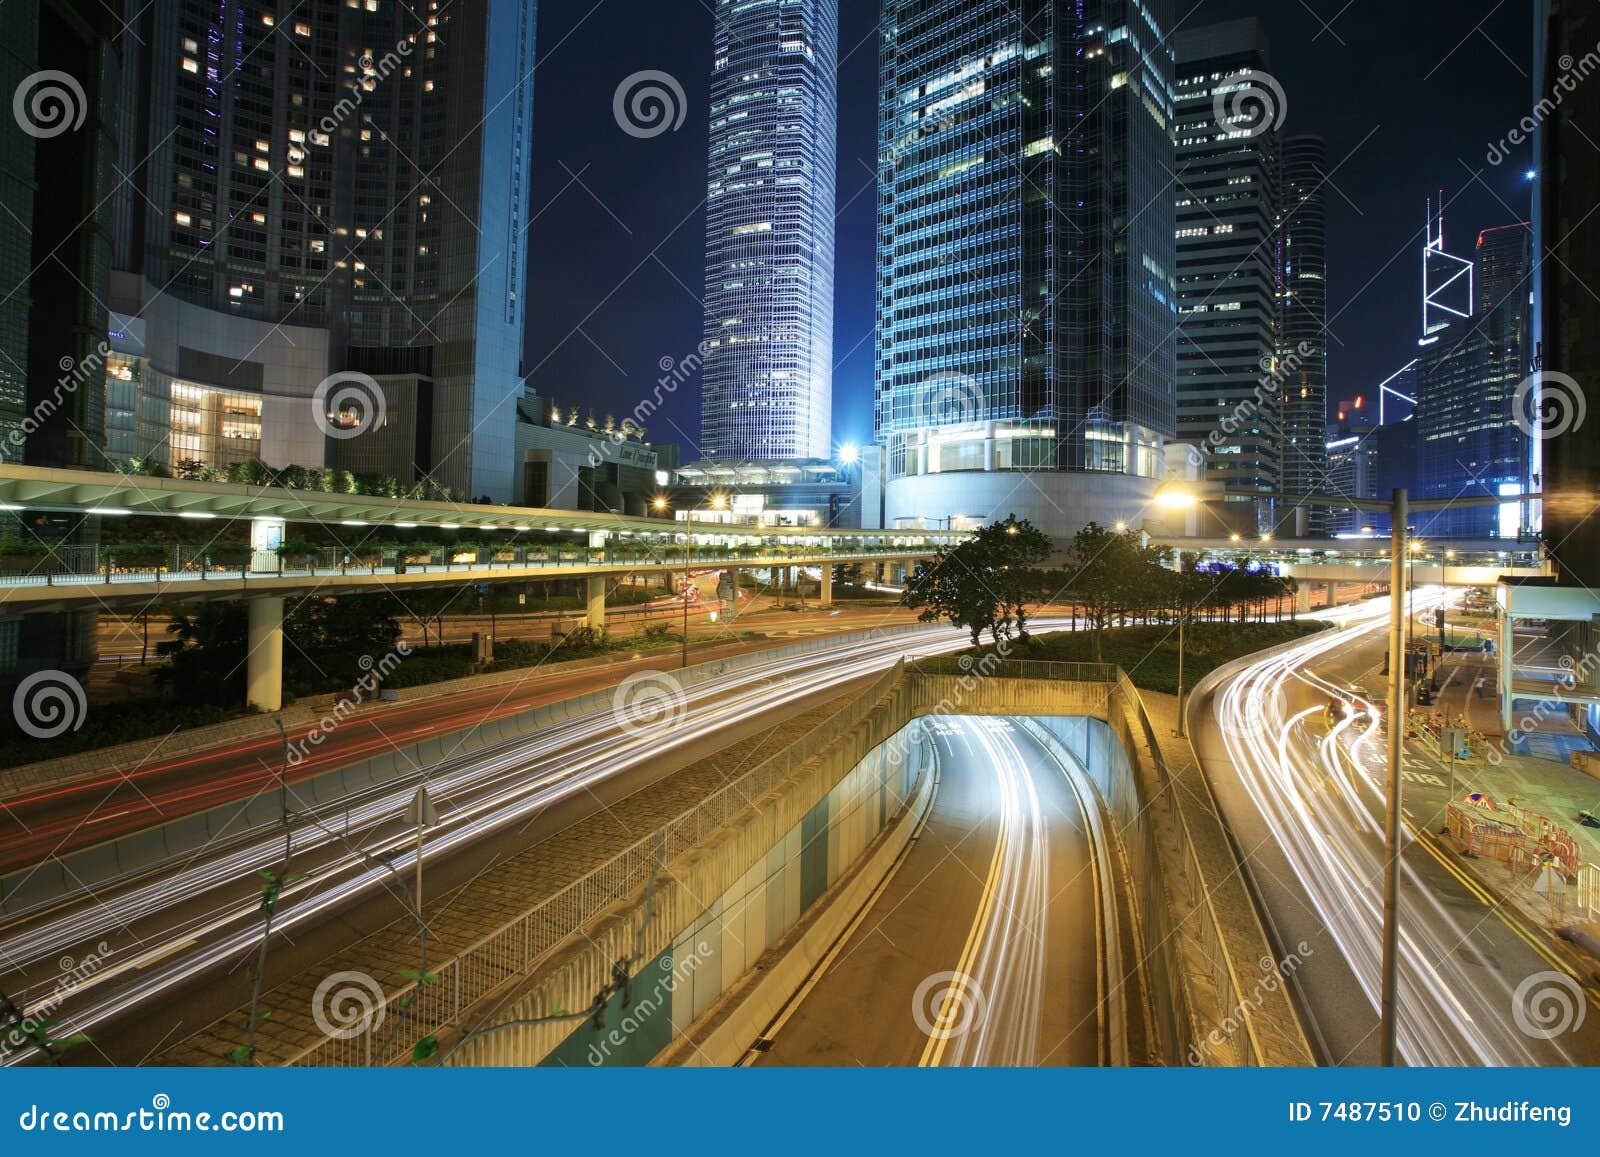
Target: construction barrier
point(1512, 834)
point(1588, 897)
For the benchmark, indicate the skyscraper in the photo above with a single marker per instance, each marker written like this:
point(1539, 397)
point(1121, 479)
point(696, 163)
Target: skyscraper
point(768, 378)
point(1468, 374)
point(1303, 322)
point(1026, 303)
point(58, 146)
point(1229, 393)
point(339, 190)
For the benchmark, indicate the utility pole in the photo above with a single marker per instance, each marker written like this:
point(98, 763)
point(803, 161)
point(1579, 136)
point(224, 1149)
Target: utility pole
point(1399, 621)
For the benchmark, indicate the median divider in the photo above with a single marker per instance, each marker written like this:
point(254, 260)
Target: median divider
point(326, 799)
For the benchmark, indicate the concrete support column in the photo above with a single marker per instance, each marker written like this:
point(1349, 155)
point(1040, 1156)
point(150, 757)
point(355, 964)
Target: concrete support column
point(1507, 642)
point(597, 601)
point(1333, 594)
point(827, 585)
point(264, 665)
point(1302, 599)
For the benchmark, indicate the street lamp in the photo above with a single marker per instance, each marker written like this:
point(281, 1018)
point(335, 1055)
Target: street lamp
point(718, 502)
point(1178, 496)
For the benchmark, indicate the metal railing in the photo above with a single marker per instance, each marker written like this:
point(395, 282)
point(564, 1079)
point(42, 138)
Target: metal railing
point(88, 565)
point(991, 667)
point(1588, 894)
point(387, 1033)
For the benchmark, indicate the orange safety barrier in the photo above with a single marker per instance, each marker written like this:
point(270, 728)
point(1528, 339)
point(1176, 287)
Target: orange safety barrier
point(1513, 835)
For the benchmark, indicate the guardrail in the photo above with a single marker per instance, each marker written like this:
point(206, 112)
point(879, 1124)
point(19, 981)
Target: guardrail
point(515, 949)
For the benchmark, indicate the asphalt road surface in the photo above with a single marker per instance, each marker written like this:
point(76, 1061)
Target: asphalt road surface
point(983, 947)
point(1302, 790)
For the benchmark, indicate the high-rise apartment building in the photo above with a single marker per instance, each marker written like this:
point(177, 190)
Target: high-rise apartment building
point(767, 388)
point(328, 188)
point(1302, 366)
point(1026, 259)
point(1228, 210)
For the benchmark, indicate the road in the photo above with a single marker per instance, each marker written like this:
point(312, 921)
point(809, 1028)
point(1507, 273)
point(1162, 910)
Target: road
point(91, 810)
point(983, 948)
point(1304, 801)
point(166, 933)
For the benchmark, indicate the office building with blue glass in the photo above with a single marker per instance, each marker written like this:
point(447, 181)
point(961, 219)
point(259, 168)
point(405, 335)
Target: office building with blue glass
point(767, 385)
point(1026, 294)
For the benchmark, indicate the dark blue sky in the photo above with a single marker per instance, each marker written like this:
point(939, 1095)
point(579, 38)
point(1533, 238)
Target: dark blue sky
point(1409, 93)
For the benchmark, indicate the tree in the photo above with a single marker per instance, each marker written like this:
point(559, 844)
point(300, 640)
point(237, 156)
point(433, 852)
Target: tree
point(1110, 574)
point(985, 583)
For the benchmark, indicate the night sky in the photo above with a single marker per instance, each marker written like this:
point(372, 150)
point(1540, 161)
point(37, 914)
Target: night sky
point(1410, 96)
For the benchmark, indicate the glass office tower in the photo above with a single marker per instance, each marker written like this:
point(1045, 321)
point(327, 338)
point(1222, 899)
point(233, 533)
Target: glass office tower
point(1302, 368)
point(1026, 303)
point(767, 388)
point(1230, 402)
point(1468, 374)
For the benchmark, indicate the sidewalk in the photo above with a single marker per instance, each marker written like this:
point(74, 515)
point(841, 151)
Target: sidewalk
point(1549, 787)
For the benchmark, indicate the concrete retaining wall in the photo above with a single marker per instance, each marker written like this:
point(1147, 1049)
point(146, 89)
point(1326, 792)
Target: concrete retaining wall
point(1189, 953)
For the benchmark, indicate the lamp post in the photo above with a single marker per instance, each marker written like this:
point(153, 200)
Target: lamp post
point(1399, 509)
point(718, 502)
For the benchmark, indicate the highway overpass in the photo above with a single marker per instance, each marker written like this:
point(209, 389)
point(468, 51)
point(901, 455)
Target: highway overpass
point(538, 544)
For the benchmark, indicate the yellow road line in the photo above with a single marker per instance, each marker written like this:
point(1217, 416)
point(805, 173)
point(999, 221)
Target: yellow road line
point(933, 1051)
point(1490, 901)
